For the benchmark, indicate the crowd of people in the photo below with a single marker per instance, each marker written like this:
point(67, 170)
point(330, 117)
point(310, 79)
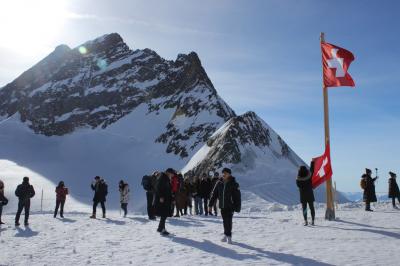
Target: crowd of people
point(169, 193)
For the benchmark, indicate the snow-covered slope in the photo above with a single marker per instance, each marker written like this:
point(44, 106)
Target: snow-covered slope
point(258, 156)
point(271, 238)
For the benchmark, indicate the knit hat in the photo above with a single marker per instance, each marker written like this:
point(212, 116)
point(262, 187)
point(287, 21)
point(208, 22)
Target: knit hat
point(26, 179)
point(227, 170)
point(368, 171)
point(392, 174)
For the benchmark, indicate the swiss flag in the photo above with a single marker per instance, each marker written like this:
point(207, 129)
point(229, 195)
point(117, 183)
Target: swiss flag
point(322, 169)
point(336, 62)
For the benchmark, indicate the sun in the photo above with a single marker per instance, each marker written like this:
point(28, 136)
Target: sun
point(29, 26)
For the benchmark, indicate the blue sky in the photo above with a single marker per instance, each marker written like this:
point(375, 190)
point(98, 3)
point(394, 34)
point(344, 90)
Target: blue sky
point(261, 55)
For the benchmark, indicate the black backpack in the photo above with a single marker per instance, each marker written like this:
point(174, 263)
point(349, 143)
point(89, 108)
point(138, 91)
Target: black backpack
point(146, 183)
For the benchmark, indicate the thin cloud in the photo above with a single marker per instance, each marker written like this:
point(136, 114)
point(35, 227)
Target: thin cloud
point(161, 27)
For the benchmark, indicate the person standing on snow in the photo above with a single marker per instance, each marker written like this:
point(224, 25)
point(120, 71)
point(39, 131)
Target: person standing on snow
point(393, 189)
point(205, 190)
point(100, 189)
point(174, 188)
point(61, 196)
point(163, 201)
point(369, 189)
point(304, 184)
point(214, 182)
point(24, 192)
point(148, 183)
point(3, 200)
point(124, 196)
point(198, 206)
point(228, 194)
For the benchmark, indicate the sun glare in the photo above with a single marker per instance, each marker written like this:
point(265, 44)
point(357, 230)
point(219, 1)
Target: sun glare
point(30, 26)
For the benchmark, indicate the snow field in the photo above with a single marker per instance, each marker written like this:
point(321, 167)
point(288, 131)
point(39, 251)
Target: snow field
point(273, 238)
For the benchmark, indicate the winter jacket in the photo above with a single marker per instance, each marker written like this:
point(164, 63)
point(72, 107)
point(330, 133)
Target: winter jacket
point(25, 191)
point(393, 188)
point(100, 191)
point(205, 188)
point(305, 188)
point(369, 191)
point(3, 199)
point(124, 193)
point(61, 193)
point(175, 184)
point(163, 190)
point(228, 195)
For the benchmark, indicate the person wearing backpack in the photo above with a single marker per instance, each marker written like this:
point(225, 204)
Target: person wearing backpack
point(229, 196)
point(61, 196)
point(393, 189)
point(304, 183)
point(24, 192)
point(369, 190)
point(148, 184)
point(124, 196)
point(3, 200)
point(100, 188)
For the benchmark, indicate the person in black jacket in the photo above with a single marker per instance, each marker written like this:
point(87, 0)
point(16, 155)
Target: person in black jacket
point(369, 191)
point(163, 201)
point(3, 200)
point(214, 182)
point(304, 184)
point(149, 183)
point(228, 194)
point(100, 189)
point(205, 191)
point(393, 189)
point(24, 192)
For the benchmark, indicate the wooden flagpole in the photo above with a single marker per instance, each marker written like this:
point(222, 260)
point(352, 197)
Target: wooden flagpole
point(330, 209)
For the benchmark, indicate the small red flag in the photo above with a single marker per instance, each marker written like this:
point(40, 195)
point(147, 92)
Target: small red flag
point(322, 168)
point(336, 62)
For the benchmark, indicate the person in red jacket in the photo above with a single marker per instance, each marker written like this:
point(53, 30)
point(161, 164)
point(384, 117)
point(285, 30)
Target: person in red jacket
point(61, 196)
point(173, 177)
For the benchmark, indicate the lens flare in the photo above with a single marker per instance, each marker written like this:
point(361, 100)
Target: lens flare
point(83, 50)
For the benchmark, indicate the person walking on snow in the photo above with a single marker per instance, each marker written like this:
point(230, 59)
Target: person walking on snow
point(369, 189)
point(174, 188)
point(24, 192)
point(124, 196)
point(228, 194)
point(61, 196)
point(148, 183)
point(393, 189)
point(304, 184)
point(100, 189)
point(163, 201)
point(205, 191)
point(3, 200)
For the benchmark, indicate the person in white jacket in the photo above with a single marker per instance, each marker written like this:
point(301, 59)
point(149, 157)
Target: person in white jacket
point(124, 196)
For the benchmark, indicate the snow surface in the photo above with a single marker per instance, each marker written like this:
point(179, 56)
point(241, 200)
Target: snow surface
point(264, 236)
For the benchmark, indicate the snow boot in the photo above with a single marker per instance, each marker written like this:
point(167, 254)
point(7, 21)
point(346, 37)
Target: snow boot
point(17, 224)
point(164, 232)
point(305, 223)
point(104, 215)
point(224, 239)
point(1, 222)
point(93, 216)
point(368, 210)
point(229, 240)
point(312, 223)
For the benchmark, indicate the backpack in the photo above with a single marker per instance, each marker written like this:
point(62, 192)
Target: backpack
point(146, 183)
point(363, 183)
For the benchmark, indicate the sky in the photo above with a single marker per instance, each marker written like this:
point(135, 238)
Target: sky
point(261, 55)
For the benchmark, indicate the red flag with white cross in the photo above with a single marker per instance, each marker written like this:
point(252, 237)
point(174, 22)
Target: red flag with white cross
point(322, 168)
point(336, 62)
